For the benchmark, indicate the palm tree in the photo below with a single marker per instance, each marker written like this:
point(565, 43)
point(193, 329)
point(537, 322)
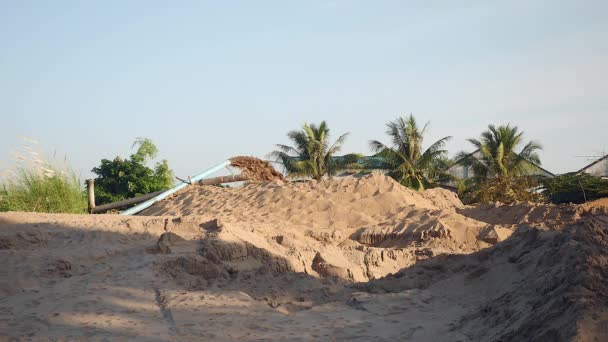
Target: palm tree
point(312, 155)
point(499, 157)
point(501, 173)
point(404, 158)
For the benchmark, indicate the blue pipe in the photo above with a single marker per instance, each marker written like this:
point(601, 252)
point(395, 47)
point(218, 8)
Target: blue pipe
point(178, 187)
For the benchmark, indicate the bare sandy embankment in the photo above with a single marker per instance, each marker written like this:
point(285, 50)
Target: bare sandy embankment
point(343, 259)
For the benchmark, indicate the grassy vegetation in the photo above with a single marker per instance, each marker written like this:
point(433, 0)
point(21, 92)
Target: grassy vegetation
point(49, 191)
point(35, 185)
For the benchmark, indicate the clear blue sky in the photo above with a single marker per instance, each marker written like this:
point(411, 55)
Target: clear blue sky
point(207, 80)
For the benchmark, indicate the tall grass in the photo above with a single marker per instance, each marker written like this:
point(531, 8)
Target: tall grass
point(40, 187)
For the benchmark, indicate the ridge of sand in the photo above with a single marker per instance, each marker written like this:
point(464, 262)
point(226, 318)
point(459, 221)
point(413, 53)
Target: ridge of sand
point(335, 203)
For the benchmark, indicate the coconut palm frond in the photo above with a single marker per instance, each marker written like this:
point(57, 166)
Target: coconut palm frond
point(404, 158)
point(311, 154)
point(500, 172)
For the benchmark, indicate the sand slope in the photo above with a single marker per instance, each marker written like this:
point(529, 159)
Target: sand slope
point(344, 259)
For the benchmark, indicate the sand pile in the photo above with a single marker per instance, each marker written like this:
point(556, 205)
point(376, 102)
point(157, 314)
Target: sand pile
point(597, 206)
point(342, 259)
point(539, 215)
point(536, 286)
point(352, 228)
point(343, 202)
point(546, 216)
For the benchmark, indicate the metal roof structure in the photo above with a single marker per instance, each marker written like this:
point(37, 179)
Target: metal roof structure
point(600, 172)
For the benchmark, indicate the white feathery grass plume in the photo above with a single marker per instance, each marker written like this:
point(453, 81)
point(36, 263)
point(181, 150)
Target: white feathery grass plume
point(7, 174)
point(16, 156)
point(48, 173)
point(30, 140)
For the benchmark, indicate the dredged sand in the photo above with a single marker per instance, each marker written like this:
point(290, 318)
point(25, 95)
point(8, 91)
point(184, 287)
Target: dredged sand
point(342, 259)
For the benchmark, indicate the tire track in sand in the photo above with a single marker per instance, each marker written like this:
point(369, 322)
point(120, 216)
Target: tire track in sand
point(161, 302)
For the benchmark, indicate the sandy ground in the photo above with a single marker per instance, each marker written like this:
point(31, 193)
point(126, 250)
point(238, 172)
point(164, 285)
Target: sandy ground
point(344, 259)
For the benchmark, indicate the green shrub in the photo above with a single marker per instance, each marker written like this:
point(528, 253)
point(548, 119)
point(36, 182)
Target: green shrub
point(505, 189)
point(43, 189)
point(572, 188)
point(120, 178)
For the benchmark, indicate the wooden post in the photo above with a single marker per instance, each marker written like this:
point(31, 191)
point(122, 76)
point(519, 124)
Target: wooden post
point(91, 193)
point(124, 203)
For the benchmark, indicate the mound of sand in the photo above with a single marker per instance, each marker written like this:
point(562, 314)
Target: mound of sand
point(367, 227)
point(540, 215)
point(597, 206)
point(547, 216)
point(340, 201)
point(536, 286)
point(341, 259)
